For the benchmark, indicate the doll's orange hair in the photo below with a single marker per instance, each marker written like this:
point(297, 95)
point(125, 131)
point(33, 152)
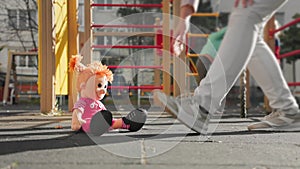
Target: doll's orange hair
point(85, 72)
point(101, 70)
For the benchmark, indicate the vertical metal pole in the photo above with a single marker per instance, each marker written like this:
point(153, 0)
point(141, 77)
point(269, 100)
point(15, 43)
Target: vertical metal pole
point(243, 91)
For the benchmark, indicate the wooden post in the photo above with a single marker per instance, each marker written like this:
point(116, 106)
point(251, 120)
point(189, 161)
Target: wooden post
point(7, 78)
point(46, 56)
point(271, 42)
point(11, 68)
point(166, 60)
point(86, 51)
point(14, 70)
point(180, 65)
point(73, 42)
point(157, 62)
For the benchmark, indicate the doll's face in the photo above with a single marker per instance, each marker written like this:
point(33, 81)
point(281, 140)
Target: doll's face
point(95, 87)
point(101, 85)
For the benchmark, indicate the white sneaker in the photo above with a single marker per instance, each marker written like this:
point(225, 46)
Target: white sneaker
point(187, 110)
point(278, 121)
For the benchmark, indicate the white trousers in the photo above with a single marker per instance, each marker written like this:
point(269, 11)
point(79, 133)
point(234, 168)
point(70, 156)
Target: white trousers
point(243, 46)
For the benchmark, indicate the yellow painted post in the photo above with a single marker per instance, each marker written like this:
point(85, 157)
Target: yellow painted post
point(73, 44)
point(271, 42)
point(166, 59)
point(61, 46)
point(46, 63)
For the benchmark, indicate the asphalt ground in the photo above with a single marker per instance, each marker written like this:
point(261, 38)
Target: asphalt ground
point(31, 140)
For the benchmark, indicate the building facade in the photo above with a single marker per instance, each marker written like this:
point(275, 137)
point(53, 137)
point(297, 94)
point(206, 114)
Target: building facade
point(18, 33)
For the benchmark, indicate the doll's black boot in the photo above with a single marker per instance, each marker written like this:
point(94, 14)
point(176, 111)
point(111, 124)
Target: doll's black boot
point(135, 119)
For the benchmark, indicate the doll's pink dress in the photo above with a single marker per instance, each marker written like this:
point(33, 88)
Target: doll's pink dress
point(88, 107)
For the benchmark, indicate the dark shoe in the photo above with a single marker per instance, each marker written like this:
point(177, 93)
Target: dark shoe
point(136, 119)
point(101, 122)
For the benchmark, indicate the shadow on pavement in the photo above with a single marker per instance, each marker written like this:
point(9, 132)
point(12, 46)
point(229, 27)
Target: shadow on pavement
point(73, 140)
point(81, 139)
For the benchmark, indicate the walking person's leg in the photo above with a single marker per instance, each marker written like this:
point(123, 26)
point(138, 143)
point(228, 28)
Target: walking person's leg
point(234, 54)
point(235, 51)
point(265, 69)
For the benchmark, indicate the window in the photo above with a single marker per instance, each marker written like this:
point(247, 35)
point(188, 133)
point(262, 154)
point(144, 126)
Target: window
point(100, 40)
point(26, 61)
point(18, 19)
point(108, 40)
point(109, 2)
point(33, 17)
point(81, 16)
point(23, 19)
point(104, 40)
point(26, 65)
point(100, 2)
point(12, 18)
point(32, 61)
point(21, 61)
point(104, 2)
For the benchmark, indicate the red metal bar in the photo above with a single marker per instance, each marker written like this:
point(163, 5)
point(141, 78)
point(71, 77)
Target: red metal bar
point(272, 32)
point(294, 83)
point(125, 26)
point(128, 5)
point(135, 67)
point(289, 54)
point(128, 46)
point(135, 87)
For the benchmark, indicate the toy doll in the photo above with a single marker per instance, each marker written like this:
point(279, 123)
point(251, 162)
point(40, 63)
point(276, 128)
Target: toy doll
point(89, 113)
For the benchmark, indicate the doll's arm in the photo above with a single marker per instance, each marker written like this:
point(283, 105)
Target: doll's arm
point(79, 116)
point(77, 120)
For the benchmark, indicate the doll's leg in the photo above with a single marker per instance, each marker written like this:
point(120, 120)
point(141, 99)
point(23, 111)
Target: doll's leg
point(101, 122)
point(117, 123)
point(134, 120)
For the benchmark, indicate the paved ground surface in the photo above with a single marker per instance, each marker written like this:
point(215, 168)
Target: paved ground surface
point(30, 140)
